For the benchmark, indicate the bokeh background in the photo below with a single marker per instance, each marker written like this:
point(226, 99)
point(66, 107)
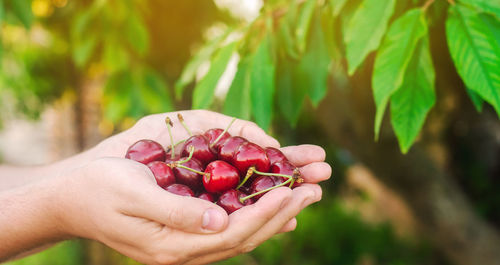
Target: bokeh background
point(76, 72)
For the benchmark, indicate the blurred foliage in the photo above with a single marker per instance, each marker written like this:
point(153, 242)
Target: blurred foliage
point(286, 54)
point(344, 239)
point(127, 44)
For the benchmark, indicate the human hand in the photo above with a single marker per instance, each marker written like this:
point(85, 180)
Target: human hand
point(117, 202)
point(148, 232)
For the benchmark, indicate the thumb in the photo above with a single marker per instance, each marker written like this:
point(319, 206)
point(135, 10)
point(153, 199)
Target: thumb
point(187, 214)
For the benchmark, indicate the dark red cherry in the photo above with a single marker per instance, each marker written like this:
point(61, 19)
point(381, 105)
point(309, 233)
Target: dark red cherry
point(221, 176)
point(207, 196)
point(213, 134)
point(275, 155)
point(230, 200)
point(169, 160)
point(250, 155)
point(202, 150)
point(285, 168)
point(187, 177)
point(261, 183)
point(168, 157)
point(146, 151)
point(180, 189)
point(229, 147)
point(163, 173)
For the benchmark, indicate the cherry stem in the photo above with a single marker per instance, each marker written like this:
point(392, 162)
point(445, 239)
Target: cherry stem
point(192, 170)
point(181, 119)
point(225, 130)
point(247, 176)
point(242, 200)
point(172, 146)
point(273, 174)
point(179, 142)
point(191, 151)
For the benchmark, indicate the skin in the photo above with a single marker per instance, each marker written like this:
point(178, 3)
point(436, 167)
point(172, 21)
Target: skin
point(101, 196)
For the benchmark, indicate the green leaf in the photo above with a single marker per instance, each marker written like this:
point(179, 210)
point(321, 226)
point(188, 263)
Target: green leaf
point(83, 50)
point(81, 23)
point(262, 83)
point(475, 52)
point(337, 6)
point(116, 97)
point(203, 55)
point(290, 92)
point(2, 12)
point(477, 101)
point(492, 25)
point(203, 93)
point(115, 57)
point(22, 10)
point(347, 13)
point(137, 34)
point(488, 6)
point(237, 103)
point(393, 58)
point(315, 64)
point(303, 22)
point(411, 103)
point(154, 92)
point(366, 29)
point(287, 39)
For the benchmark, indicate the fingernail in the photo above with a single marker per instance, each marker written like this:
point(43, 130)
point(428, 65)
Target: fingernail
point(212, 220)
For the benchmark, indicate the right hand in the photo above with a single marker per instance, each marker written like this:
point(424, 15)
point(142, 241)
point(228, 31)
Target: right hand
point(117, 201)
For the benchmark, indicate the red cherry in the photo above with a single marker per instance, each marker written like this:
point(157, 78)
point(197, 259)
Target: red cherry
point(285, 168)
point(169, 160)
point(250, 155)
point(230, 200)
point(229, 147)
point(163, 173)
point(201, 146)
point(275, 155)
point(207, 196)
point(146, 151)
point(221, 176)
point(261, 183)
point(189, 178)
point(213, 134)
point(180, 189)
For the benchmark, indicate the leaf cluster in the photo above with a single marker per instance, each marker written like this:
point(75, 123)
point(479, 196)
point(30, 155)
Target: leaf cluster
point(288, 53)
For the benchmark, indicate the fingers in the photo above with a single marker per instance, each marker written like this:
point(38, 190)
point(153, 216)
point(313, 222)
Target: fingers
point(301, 155)
point(290, 226)
point(243, 128)
point(316, 172)
point(177, 212)
point(153, 127)
point(282, 221)
point(253, 133)
point(302, 197)
point(246, 221)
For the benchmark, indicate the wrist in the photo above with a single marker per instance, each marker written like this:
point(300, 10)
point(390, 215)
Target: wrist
point(30, 216)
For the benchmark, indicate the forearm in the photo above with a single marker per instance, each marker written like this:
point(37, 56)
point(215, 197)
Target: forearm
point(28, 218)
point(13, 177)
point(16, 176)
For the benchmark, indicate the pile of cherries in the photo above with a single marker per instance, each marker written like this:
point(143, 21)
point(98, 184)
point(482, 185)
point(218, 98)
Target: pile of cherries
point(215, 166)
